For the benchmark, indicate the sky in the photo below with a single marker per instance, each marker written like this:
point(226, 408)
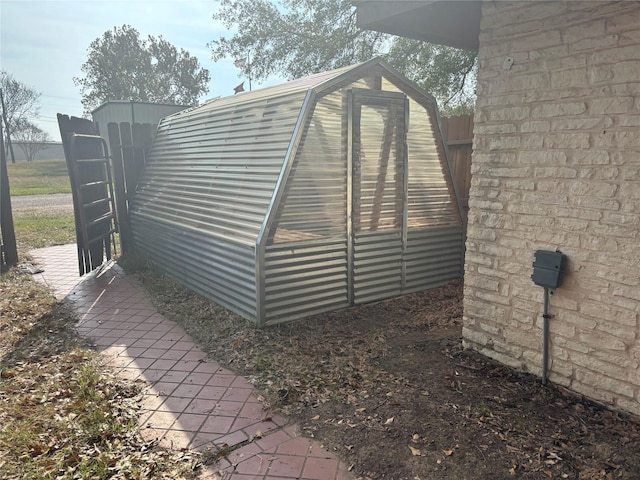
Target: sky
point(43, 43)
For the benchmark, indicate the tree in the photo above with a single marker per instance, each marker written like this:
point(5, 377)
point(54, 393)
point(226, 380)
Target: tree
point(31, 139)
point(122, 66)
point(20, 103)
point(447, 73)
point(295, 38)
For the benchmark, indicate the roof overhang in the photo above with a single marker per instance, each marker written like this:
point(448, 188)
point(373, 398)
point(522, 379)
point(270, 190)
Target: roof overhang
point(452, 23)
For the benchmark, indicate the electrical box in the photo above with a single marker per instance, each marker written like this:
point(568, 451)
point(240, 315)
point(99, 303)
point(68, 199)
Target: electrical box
point(549, 268)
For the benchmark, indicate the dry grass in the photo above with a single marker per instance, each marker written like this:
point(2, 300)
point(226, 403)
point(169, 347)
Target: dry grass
point(300, 364)
point(62, 415)
point(388, 387)
point(39, 177)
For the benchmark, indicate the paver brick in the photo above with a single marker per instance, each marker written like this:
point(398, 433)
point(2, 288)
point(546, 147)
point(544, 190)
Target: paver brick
point(190, 402)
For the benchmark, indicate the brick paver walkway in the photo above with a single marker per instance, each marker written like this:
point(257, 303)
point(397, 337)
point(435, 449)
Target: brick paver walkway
point(191, 402)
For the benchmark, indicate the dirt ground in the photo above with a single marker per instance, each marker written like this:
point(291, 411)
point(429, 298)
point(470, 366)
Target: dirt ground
point(390, 389)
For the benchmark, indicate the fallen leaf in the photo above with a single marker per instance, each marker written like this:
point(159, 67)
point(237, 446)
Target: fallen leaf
point(415, 437)
point(389, 420)
point(415, 451)
point(448, 453)
point(259, 434)
point(317, 417)
point(548, 473)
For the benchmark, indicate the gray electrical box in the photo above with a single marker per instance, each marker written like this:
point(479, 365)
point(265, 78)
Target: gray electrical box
point(549, 268)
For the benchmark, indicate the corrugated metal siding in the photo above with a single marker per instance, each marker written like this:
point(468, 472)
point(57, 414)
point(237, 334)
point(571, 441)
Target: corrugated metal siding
point(221, 271)
point(204, 193)
point(377, 266)
point(383, 269)
point(305, 279)
point(433, 257)
point(202, 202)
point(215, 169)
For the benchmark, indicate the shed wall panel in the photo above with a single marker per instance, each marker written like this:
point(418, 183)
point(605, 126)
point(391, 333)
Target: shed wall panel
point(305, 279)
point(221, 271)
point(431, 198)
point(433, 257)
point(216, 170)
point(377, 266)
point(314, 205)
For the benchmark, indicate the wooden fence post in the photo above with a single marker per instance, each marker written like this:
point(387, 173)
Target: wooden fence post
point(129, 143)
point(458, 135)
point(122, 211)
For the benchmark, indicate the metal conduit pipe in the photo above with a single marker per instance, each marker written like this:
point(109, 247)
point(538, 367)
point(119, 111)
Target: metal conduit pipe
point(548, 272)
point(545, 336)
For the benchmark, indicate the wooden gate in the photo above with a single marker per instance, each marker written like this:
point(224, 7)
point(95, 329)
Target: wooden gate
point(89, 170)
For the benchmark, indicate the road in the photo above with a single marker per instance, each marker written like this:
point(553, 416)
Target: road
point(60, 202)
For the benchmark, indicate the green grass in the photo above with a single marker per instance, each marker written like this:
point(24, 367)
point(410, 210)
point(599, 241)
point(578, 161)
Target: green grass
point(36, 228)
point(42, 226)
point(38, 177)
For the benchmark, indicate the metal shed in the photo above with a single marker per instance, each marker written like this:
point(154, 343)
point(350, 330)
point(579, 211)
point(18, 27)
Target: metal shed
point(119, 111)
point(319, 194)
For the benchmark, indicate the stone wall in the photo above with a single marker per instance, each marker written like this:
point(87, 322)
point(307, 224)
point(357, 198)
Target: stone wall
point(556, 165)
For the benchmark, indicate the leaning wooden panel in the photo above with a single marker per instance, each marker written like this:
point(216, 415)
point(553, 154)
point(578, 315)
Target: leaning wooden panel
point(89, 167)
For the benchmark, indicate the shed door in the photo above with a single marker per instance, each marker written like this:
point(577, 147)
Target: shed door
point(378, 169)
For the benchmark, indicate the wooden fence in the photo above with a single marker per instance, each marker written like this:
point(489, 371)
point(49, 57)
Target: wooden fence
point(102, 185)
point(458, 135)
point(129, 144)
